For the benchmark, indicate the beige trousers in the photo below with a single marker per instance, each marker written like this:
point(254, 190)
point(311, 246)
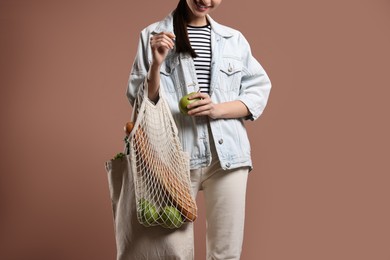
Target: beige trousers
point(224, 193)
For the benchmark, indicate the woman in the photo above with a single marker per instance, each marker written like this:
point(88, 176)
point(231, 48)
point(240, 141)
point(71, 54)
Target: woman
point(189, 52)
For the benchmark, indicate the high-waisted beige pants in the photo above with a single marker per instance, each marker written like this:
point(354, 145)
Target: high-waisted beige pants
point(224, 193)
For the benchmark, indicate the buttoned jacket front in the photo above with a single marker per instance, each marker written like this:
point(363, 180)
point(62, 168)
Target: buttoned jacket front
point(235, 75)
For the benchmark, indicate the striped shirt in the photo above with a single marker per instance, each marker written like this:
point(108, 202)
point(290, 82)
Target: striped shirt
point(200, 39)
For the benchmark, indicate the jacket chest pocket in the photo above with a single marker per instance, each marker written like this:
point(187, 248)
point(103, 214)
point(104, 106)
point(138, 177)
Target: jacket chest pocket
point(230, 73)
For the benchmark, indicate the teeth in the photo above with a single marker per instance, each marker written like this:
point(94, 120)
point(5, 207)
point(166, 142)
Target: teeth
point(201, 6)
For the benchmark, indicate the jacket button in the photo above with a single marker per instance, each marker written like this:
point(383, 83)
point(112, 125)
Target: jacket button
point(228, 165)
point(220, 141)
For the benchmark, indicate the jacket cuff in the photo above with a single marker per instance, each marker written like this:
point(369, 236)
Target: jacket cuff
point(253, 112)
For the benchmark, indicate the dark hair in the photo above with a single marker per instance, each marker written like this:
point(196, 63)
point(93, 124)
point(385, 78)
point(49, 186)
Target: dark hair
point(180, 18)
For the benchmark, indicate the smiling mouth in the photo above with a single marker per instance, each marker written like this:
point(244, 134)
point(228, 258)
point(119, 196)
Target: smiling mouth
point(201, 7)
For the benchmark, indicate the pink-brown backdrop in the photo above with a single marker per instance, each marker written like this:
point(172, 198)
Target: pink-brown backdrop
point(320, 187)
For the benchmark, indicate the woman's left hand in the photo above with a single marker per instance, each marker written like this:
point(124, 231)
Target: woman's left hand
point(203, 107)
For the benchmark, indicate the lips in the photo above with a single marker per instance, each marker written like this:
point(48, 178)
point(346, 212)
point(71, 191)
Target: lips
point(201, 7)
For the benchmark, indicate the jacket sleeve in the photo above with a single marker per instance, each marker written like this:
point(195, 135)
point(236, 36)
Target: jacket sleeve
point(255, 83)
point(139, 70)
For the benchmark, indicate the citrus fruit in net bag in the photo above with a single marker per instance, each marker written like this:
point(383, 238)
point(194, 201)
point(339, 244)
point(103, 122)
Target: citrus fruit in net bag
point(149, 212)
point(171, 217)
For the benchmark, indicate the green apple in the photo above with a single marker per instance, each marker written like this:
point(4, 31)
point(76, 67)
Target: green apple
point(184, 102)
point(171, 217)
point(149, 212)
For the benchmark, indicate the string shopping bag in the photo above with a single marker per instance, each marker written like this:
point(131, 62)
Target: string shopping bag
point(161, 169)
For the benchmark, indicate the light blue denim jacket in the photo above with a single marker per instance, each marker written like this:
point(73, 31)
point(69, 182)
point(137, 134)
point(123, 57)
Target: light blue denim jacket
point(235, 75)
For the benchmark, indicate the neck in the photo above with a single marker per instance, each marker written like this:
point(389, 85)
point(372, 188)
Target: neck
point(198, 22)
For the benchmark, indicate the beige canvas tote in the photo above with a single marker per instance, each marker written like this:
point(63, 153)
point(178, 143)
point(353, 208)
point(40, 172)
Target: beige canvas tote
point(137, 238)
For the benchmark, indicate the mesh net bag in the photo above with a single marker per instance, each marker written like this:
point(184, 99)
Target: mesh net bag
point(160, 168)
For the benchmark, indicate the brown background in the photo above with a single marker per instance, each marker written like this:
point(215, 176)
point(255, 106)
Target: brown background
point(320, 188)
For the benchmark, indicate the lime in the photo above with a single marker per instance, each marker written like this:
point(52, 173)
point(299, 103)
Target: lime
point(171, 217)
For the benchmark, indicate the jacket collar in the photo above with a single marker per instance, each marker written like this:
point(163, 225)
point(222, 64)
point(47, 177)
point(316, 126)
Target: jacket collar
point(166, 25)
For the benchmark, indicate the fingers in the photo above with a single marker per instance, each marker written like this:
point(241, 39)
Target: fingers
point(203, 110)
point(199, 95)
point(201, 107)
point(165, 40)
point(170, 35)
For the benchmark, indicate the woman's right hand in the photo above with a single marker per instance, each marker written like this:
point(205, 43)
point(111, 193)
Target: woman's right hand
point(161, 43)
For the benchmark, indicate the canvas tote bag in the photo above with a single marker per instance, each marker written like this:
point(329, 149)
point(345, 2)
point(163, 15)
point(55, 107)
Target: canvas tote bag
point(136, 241)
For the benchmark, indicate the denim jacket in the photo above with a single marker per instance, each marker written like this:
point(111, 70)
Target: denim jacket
point(235, 75)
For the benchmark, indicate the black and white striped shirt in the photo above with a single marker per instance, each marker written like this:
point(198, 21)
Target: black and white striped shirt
point(200, 39)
